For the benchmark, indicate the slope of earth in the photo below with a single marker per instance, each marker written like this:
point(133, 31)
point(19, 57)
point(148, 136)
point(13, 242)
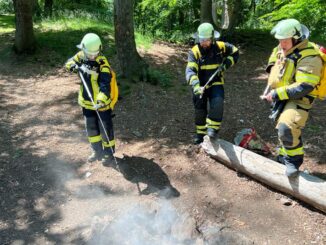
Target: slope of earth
point(165, 191)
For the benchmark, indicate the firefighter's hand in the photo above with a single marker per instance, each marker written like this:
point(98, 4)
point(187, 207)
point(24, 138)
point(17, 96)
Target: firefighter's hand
point(73, 68)
point(99, 104)
point(196, 87)
point(222, 68)
point(268, 97)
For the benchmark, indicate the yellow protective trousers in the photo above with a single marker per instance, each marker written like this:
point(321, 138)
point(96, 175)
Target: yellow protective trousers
point(290, 124)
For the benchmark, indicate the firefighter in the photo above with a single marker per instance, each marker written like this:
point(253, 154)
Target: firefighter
point(100, 80)
point(295, 69)
point(203, 60)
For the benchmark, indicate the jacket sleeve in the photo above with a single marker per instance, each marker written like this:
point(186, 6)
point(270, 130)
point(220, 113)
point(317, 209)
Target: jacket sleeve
point(192, 68)
point(76, 59)
point(307, 76)
point(231, 55)
point(104, 81)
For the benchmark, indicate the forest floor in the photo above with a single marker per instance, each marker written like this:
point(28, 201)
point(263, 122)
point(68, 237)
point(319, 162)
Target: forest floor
point(167, 191)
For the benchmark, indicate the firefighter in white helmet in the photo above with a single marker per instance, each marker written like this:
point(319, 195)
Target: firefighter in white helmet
point(100, 80)
point(203, 60)
point(295, 69)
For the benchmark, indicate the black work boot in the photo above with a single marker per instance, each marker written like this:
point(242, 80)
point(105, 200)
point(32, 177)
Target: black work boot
point(95, 156)
point(108, 160)
point(198, 139)
point(280, 159)
point(212, 133)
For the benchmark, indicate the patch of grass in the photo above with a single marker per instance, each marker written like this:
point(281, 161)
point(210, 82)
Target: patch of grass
point(7, 23)
point(313, 128)
point(159, 77)
point(143, 41)
point(63, 34)
point(124, 89)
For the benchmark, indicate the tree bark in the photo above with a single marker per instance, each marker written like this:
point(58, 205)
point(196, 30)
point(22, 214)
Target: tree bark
point(195, 9)
point(305, 187)
point(48, 4)
point(206, 11)
point(24, 36)
point(234, 14)
point(132, 65)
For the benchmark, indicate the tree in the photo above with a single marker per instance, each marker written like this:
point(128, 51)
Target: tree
point(48, 7)
point(206, 11)
point(132, 65)
point(235, 13)
point(24, 36)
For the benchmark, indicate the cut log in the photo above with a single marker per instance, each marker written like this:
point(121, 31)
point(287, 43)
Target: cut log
point(305, 187)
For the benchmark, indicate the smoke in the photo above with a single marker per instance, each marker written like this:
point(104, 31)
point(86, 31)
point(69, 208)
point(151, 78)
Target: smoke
point(146, 224)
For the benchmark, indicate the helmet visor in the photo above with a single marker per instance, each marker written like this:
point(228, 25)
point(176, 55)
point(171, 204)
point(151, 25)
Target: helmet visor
point(201, 40)
point(91, 55)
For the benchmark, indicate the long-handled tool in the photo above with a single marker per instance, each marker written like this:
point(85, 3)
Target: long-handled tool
point(98, 114)
point(266, 91)
point(218, 70)
point(277, 107)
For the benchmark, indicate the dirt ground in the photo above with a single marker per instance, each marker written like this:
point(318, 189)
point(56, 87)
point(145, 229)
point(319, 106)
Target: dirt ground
point(166, 191)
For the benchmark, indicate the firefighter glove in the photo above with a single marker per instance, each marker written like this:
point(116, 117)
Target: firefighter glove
point(196, 87)
point(73, 68)
point(99, 105)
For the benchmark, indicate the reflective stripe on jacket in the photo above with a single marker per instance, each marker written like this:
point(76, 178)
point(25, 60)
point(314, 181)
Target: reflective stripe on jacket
point(98, 77)
point(295, 74)
point(203, 63)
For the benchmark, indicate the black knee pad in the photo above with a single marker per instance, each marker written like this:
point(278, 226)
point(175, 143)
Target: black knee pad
point(285, 135)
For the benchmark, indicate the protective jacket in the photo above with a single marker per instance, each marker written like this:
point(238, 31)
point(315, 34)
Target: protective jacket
point(202, 63)
point(99, 78)
point(295, 74)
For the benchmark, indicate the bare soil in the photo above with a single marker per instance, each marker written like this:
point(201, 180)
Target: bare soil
point(166, 190)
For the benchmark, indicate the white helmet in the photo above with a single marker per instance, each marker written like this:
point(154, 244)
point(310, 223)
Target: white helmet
point(91, 45)
point(290, 28)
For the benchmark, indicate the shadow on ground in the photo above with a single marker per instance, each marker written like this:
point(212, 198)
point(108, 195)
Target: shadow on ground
point(142, 170)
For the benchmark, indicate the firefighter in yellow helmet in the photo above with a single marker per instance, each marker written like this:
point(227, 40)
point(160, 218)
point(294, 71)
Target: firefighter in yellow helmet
point(295, 69)
point(204, 59)
point(101, 83)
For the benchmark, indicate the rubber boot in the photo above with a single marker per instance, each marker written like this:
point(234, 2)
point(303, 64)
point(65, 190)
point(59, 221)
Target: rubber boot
point(108, 160)
point(212, 133)
point(94, 156)
point(291, 170)
point(97, 152)
point(280, 159)
point(198, 139)
point(292, 164)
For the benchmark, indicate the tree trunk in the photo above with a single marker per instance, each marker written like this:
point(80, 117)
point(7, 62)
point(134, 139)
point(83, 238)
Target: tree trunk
point(48, 4)
point(305, 187)
point(24, 36)
point(132, 65)
point(206, 11)
point(195, 4)
point(234, 14)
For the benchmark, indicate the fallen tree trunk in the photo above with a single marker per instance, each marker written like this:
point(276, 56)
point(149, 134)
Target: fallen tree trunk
point(305, 187)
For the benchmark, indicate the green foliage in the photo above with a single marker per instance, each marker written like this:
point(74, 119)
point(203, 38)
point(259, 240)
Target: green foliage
point(159, 77)
point(311, 13)
point(144, 41)
point(99, 9)
point(6, 7)
point(7, 23)
point(61, 35)
point(168, 20)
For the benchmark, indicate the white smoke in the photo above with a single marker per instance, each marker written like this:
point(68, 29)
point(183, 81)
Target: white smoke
point(146, 224)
